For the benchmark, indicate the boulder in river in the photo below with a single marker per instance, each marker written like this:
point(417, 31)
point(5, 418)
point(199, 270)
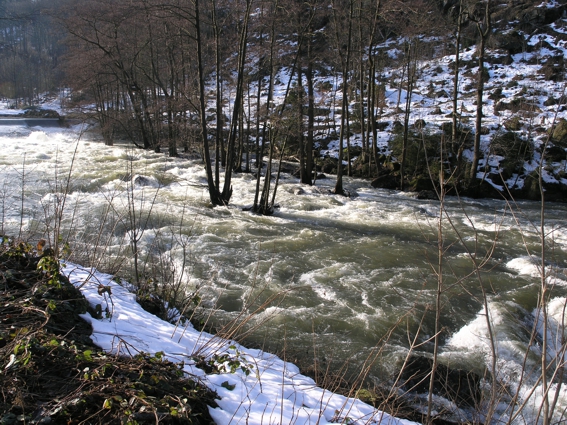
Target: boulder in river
point(461, 387)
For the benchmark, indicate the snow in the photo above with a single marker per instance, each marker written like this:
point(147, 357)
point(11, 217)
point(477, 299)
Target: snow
point(254, 387)
point(14, 112)
point(268, 389)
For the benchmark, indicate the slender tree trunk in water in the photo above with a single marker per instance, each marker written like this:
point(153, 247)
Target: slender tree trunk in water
point(260, 146)
point(170, 98)
point(361, 75)
point(310, 115)
point(273, 202)
point(339, 189)
point(370, 89)
point(544, 296)
point(215, 196)
point(456, 88)
point(240, 154)
point(248, 130)
point(438, 299)
point(218, 82)
point(227, 189)
point(265, 207)
point(258, 109)
point(349, 165)
point(138, 114)
point(410, 82)
point(484, 27)
point(372, 117)
point(300, 137)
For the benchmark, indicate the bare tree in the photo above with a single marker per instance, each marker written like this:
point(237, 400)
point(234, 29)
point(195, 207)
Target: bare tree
point(484, 26)
point(344, 52)
point(238, 101)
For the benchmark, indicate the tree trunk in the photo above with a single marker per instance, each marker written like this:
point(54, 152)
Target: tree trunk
point(227, 188)
point(484, 27)
point(409, 87)
point(345, 59)
point(215, 195)
point(455, 121)
point(310, 116)
point(218, 82)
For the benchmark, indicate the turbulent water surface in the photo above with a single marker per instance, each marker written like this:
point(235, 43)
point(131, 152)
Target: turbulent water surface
point(334, 278)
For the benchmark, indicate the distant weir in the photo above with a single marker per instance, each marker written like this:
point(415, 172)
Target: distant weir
point(31, 122)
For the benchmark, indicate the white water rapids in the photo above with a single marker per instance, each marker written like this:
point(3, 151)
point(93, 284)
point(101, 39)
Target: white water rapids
point(346, 278)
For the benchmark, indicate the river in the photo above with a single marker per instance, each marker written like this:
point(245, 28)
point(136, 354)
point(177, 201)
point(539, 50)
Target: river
point(330, 280)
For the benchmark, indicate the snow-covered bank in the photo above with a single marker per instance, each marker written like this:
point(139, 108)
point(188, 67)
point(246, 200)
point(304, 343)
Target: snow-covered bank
point(262, 389)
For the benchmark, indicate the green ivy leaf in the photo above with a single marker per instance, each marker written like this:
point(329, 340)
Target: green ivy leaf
point(228, 386)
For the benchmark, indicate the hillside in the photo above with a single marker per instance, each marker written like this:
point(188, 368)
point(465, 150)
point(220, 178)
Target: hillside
point(392, 87)
point(523, 106)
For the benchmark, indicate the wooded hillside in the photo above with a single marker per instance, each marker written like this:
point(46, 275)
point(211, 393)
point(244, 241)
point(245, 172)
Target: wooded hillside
point(393, 90)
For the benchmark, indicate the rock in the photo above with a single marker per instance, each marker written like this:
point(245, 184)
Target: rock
point(422, 184)
point(142, 181)
point(397, 127)
point(329, 165)
point(554, 192)
point(419, 124)
point(481, 189)
point(555, 154)
point(560, 131)
point(291, 169)
point(552, 71)
point(427, 194)
point(496, 94)
point(386, 181)
point(550, 101)
point(512, 41)
point(355, 150)
point(513, 124)
point(462, 387)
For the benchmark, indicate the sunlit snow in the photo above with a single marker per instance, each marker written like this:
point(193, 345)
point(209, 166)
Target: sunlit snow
point(265, 390)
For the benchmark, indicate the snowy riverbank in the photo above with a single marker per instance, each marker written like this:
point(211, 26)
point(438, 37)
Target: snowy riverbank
point(265, 390)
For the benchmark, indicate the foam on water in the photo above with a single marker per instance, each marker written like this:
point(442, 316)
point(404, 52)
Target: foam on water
point(518, 354)
point(529, 266)
point(347, 269)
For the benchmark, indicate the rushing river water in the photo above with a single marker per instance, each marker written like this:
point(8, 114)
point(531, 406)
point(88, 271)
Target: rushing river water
point(342, 278)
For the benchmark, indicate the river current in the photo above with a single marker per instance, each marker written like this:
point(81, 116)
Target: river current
point(330, 280)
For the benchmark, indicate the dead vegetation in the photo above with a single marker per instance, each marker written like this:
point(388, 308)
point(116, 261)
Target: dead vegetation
point(52, 373)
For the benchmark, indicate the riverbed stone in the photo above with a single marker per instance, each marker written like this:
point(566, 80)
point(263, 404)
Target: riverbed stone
point(462, 387)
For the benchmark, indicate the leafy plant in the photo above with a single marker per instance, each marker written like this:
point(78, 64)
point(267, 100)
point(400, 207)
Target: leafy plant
point(230, 363)
point(50, 266)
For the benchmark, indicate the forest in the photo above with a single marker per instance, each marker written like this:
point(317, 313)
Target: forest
point(240, 82)
point(452, 305)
